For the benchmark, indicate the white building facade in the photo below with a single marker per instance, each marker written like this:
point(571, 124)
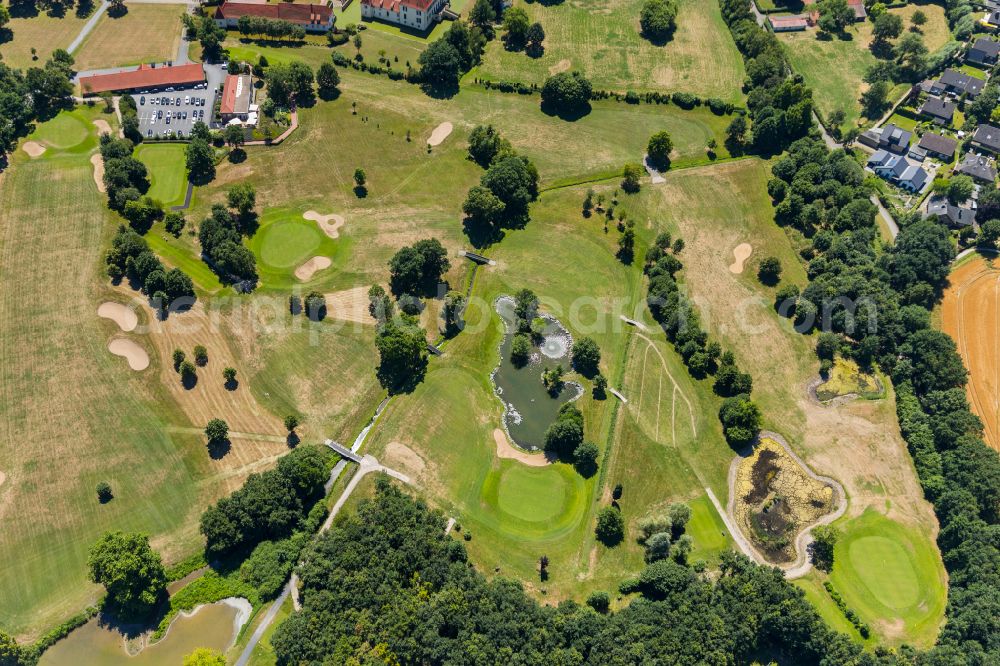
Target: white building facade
point(417, 14)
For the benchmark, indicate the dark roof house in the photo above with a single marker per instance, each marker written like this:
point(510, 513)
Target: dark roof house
point(949, 213)
point(938, 110)
point(938, 146)
point(959, 83)
point(897, 169)
point(895, 139)
point(987, 137)
point(979, 167)
point(984, 51)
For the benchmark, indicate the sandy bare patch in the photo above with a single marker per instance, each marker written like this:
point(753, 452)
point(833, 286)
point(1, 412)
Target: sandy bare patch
point(401, 457)
point(98, 163)
point(102, 126)
point(440, 133)
point(507, 450)
point(740, 253)
point(136, 356)
point(330, 224)
point(33, 148)
point(561, 66)
point(314, 265)
point(349, 305)
point(121, 314)
point(3, 477)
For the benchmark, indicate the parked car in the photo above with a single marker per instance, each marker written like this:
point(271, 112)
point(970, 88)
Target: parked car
point(177, 102)
point(168, 120)
point(149, 132)
point(187, 99)
point(159, 114)
point(142, 101)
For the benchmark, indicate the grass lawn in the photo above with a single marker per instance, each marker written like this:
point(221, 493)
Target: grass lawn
point(892, 577)
point(91, 419)
point(167, 171)
point(147, 33)
point(834, 68)
point(285, 240)
point(43, 32)
point(601, 39)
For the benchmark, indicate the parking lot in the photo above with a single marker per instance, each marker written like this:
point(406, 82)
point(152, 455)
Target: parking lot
point(174, 110)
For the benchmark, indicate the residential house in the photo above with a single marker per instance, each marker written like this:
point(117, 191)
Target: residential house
point(314, 18)
point(859, 10)
point(789, 23)
point(991, 20)
point(938, 110)
point(940, 147)
point(237, 96)
point(417, 14)
point(957, 84)
point(979, 167)
point(941, 209)
point(984, 51)
point(898, 170)
point(987, 137)
point(890, 137)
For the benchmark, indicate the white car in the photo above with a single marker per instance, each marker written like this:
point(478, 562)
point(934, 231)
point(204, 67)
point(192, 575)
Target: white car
point(187, 99)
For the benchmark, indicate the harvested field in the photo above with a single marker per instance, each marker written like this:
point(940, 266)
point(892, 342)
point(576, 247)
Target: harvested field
point(970, 314)
point(311, 267)
point(349, 305)
point(98, 163)
point(119, 313)
point(33, 148)
point(130, 350)
point(146, 33)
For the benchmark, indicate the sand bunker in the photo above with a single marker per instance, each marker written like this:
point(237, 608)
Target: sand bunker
point(102, 126)
point(33, 148)
point(349, 305)
point(439, 134)
point(98, 163)
point(330, 228)
point(561, 66)
point(507, 450)
point(308, 269)
point(740, 253)
point(136, 356)
point(122, 315)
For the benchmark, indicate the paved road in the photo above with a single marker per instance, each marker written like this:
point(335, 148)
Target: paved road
point(87, 27)
point(889, 221)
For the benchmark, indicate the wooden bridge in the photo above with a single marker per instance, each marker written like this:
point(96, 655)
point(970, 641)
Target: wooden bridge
point(343, 451)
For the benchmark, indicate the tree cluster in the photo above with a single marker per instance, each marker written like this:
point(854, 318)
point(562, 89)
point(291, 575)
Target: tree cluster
point(221, 239)
point(290, 84)
point(445, 60)
point(259, 27)
point(131, 572)
point(125, 177)
point(130, 256)
point(38, 93)
point(402, 348)
point(418, 269)
point(501, 199)
point(658, 20)
point(567, 95)
point(268, 507)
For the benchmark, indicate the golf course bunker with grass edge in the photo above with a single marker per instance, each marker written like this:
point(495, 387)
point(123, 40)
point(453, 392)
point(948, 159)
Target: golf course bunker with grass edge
point(529, 407)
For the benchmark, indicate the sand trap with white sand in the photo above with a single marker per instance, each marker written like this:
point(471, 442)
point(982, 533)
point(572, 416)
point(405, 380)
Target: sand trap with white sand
point(136, 356)
point(122, 315)
point(507, 450)
point(330, 224)
point(311, 267)
point(33, 148)
point(102, 126)
point(740, 253)
point(98, 163)
point(439, 134)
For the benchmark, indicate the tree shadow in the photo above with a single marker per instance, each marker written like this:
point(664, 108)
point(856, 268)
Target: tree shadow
point(586, 469)
point(881, 49)
point(117, 12)
point(237, 156)
point(481, 235)
point(570, 114)
point(535, 51)
point(292, 440)
point(440, 90)
point(329, 95)
point(658, 40)
point(360, 191)
point(232, 384)
point(219, 448)
point(189, 381)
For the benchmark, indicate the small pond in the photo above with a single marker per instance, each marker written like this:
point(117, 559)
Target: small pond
point(529, 408)
point(213, 626)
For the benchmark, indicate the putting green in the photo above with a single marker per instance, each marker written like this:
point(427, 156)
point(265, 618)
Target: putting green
point(288, 243)
point(66, 130)
point(167, 170)
point(531, 494)
point(884, 567)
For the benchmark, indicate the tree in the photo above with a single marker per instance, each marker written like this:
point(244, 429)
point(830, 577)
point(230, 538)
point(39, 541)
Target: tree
point(200, 161)
point(600, 387)
point(567, 94)
point(229, 375)
point(535, 36)
point(174, 223)
point(104, 493)
point(451, 312)
point(586, 357)
point(911, 57)
point(600, 601)
point(4, 16)
point(657, 547)
point(679, 515)
point(585, 459)
point(188, 373)
point(822, 546)
point(919, 18)
point(216, 430)
point(485, 143)
point(130, 571)
point(960, 189)
point(402, 348)
point(658, 20)
point(242, 197)
point(658, 149)
point(10, 651)
point(835, 15)
point(875, 99)
point(566, 433)
point(741, 419)
point(514, 181)
point(736, 132)
point(327, 81)
point(610, 528)
point(520, 350)
point(289, 84)
point(234, 136)
point(769, 271)
point(200, 355)
point(525, 309)
point(887, 26)
point(989, 233)
point(291, 422)
point(204, 657)
point(178, 358)
point(419, 268)
point(440, 66)
point(360, 182)
point(630, 177)
point(515, 25)
point(484, 213)
point(483, 16)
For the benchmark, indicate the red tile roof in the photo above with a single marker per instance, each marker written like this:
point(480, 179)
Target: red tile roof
point(283, 11)
point(146, 76)
point(235, 95)
point(788, 21)
point(394, 5)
